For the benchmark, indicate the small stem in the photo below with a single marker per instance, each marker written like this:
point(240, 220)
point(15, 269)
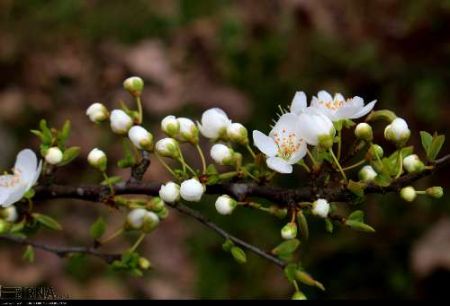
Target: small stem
point(139, 106)
point(228, 175)
point(361, 162)
point(400, 161)
point(166, 165)
point(252, 153)
point(339, 145)
point(311, 157)
point(137, 243)
point(304, 165)
point(106, 177)
point(202, 157)
point(421, 192)
point(112, 236)
point(297, 289)
point(338, 165)
point(186, 166)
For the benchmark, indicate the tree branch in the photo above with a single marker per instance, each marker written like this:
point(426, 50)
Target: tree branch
point(63, 251)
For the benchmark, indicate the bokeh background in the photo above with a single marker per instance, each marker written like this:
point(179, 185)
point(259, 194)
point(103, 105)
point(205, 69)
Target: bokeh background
point(248, 56)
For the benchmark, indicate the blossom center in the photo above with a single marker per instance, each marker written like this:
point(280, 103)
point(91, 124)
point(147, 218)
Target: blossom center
point(335, 104)
point(287, 142)
point(12, 180)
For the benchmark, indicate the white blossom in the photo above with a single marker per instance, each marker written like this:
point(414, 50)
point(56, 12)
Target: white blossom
point(170, 192)
point(222, 154)
point(120, 122)
point(9, 214)
point(408, 193)
point(214, 123)
point(367, 174)
point(188, 130)
point(134, 85)
point(397, 131)
point(413, 164)
point(289, 231)
point(237, 133)
point(316, 128)
point(192, 190)
point(54, 156)
point(321, 208)
point(97, 112)
point(97, 159)
point(170, 125)
point(225, 204)
point(141, 138)
point(167, 147)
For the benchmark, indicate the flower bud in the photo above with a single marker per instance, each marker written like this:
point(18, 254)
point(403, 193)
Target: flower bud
point(298, 295)
point(374, 151)
point(408, 194)
point(151, 221)
point(156, 204)
point(4, 226)
point(141, 138)
point(120, 122)
point(222, 154)
point(97, 112)
point(9, 214)
point(435, 192)
point(326, 141)
point(413, 164)
point(321, 208)
point(134, 85)
point(225, 205)
point(97, 159)
point(168, 147)
point(54, 156)
point(289, 231)
point(163, 213)
point(214, 123)
point(367, 174)
point(188, 130)
point(364, 131)
point(397, 132)
point(135, 218)
point(170, 192)
point(144, 264)
point(192, 190)
point(237, 133)
point(170, 126)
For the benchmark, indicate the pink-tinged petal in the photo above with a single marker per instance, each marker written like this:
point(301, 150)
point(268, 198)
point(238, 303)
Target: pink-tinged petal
point(366, 109)
point(324, 96)
point(264, 143)
point(279, 165)
point(299, 102)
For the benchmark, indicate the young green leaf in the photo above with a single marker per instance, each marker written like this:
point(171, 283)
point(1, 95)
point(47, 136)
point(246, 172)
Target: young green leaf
point(426, 141)
point(69, 155)
point(357, 188)
point(359, 226)
point(97, 228)
point(47, 221)
point(239, 255)
point(303, 225)
point(329, 226)
point(286, 247)
point(435, 147)
point(289, 271)
point(357, 215)
point(28, 255)
point(227, 245)
point(111, 180)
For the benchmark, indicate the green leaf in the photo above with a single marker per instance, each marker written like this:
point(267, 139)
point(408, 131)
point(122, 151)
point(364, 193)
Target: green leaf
point(286, 247)
point(227, 245)
point(213, 179)
point(383, 114)
point(47, 221)
point(435, 147)
point(357, 188)
point(426, 141)
point(239, 255)
point(357, 215)
point(29, 194)
point(97, 228)
point(359, 226)
point(129, 159)
point(112, 180)
point(69, 155)
point(307, 279)
point(382, 180)
point(329, 226)
point(63, 135)
point(303, 224)
point(47, 137)
point(289, 271)
point(211, 170)
point(28, 255)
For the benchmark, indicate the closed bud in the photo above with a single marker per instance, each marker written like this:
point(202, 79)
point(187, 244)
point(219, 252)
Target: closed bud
point(298, 295)
point(120, 122)
point(397, 132)
point(222, 154)
point(97, 112)
point(54, 156)
point(237, 133)
point(9, 214)
point(408, 193)
point(192, 190)
point(97, 159)
point(150, 222)
point(326, 141)
point(225, 205)
point(364, 131)
point(144, 264)
point(278, 212)
point(188, 130)
point(163, 213)
point(4, 226)
point(141, 138)
point(134, 85)
point(214, 124)
point(135, 218)
point(156, 204)
point(168, 147)
point(375, 152)
point(367, 174)
point(289, 231)
point(170, 126)
point(321, 208)
point(435, 192)
point(170, 192)
point(413, 164)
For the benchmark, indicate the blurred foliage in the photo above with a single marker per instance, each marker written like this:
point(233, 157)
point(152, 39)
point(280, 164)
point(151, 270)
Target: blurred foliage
point(397, 52)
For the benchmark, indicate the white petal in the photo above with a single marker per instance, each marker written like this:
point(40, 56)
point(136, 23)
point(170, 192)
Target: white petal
point(264, 143)
point(36, 175)
point(298, 155)
point(279, 165)
point(299, 102)
point(26, 163)
point(324, 96)
point(339, 97)
point(288, 122)
point(15, 194)
point(366, 109)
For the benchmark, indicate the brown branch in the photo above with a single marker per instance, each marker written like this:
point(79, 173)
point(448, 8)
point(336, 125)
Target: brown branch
point(63, 251)
point(138, 170)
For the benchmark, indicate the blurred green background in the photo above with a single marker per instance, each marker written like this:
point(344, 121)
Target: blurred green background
point(57, 57)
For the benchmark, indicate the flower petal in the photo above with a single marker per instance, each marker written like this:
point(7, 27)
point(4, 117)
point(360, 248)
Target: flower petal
point(286, 124)
point(26, 164)
point(366, 109)
point(299, 102)
point(14, 194)
point(264, 143)
point(279, 165)
point(299, 154)
point(324, 96)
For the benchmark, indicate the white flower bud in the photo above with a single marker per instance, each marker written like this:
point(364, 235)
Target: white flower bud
point(413, 164)
point(367, 174)
point(9, 214)
point(170, 192)
point(298, 295)
point(225, 205)
point(151, 221)
point(374, 151)
point(135, 218)
point(134, 85)
point(222, 154)
point(97, 159)
point(192, 190)
point(167, 147)
point(238, 133)
point(170, 126)
point(97, 112)
point(397, 132)
point(289, 231)
point(120, 122)
point(141, 138)
point(408, 194)
point(321, 208)
point(188, 130)
point(54, 156)
point(364, 131)
point(214, 123)
point(435, 192)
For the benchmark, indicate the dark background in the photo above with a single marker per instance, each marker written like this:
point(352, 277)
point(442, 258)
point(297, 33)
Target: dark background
point(57, 57)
